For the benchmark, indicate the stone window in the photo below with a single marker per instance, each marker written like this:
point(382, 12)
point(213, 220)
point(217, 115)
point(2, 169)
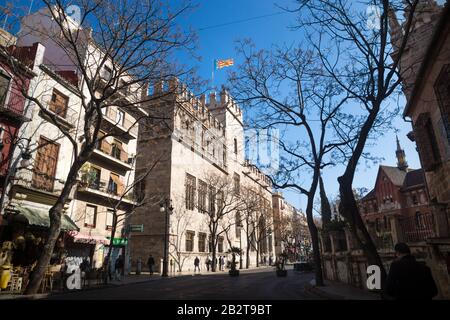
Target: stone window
point(442, 91)
point(236, 180)
point(238, 224)
point(220, 201)
point(190, 241)
point(220, 244)
point(201, 242)
point(202, 191)
point(212, 200)
point(426, 142)
point(235, 146)
point(90, 217)
point(190, 191)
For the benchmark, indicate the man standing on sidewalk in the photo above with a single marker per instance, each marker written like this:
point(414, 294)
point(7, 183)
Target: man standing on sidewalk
point(409, 279)
point(150, 264)
point(196, 264)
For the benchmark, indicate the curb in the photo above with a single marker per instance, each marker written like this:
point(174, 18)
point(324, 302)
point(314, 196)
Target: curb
point(322, 294)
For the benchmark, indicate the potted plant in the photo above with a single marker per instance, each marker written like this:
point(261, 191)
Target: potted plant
point(281, 270)
point(234, 251)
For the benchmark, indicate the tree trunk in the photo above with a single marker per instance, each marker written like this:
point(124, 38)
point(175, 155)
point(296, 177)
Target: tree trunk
point(348, 206)
point(325, 209)
point(106, 261)
point(213, 262)
point(351, 212)
point(55, 228)
point(257, 256)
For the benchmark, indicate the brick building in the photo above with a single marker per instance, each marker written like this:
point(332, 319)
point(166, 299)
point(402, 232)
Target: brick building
point(399, 192)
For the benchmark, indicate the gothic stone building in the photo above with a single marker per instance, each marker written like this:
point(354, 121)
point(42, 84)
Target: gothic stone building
point(198, 141)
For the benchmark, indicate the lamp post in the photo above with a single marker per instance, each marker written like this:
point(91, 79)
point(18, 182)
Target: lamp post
point(240, 245)
point(166, 207)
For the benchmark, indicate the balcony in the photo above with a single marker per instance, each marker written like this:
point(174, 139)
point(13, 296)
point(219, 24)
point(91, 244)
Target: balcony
point(418, 228)
point(66, 117)
point(125, 127)
point(106, 189)
point(113, 155)
point(14, 108)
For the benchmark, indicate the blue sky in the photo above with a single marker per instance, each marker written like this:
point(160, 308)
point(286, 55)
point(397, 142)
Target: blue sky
point(219, 43)
point(218, 26)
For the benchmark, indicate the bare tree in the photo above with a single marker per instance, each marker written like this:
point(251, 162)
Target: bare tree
point(251, 204)
point(224, 202)
point(116, 48)
point(359, 55)
point(182, 220)
point(286, 90)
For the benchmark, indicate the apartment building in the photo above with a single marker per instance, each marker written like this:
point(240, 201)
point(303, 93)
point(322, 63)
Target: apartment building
point(105, 182)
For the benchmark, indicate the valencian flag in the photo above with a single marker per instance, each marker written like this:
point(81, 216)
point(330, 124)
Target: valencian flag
point(224, 63)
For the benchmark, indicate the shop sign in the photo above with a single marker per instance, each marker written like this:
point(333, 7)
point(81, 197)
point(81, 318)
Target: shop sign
point(119, 241)
point(136, 228)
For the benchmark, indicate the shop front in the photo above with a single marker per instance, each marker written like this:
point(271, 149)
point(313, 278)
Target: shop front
point(23, 236)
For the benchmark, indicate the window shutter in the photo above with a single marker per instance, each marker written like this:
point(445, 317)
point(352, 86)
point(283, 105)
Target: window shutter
point(426, 142)
point(59, 103)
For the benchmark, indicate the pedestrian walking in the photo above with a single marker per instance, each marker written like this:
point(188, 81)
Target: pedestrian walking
point(221, 262)
point(119, 267)
point(207, 262)
point(196, 264)
point(172, 266)
point(150, 264)
point(409, 279)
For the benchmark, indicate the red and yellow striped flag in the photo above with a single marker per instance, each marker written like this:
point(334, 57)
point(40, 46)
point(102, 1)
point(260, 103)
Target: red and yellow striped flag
point(224, 63)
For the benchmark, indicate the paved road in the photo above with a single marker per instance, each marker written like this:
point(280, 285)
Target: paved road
point(255, 284)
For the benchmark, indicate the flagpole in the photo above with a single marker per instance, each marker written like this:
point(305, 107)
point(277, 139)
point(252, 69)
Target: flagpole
point(212, 75)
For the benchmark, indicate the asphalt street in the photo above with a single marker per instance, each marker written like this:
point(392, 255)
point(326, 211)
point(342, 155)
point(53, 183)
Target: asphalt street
point(251, 284)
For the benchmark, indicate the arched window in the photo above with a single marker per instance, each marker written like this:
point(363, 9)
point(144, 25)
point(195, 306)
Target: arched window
point(235, 146)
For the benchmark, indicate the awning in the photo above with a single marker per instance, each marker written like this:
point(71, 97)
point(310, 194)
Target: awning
point(38, 217)
point(91, 239)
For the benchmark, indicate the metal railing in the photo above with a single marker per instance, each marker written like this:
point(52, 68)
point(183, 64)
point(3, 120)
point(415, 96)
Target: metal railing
point(126, 123)
point(417, 228)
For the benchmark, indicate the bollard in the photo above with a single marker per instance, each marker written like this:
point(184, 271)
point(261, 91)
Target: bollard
point(139, 266)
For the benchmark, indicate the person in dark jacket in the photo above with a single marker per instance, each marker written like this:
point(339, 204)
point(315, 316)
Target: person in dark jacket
point(150, 264)
point(409, 279)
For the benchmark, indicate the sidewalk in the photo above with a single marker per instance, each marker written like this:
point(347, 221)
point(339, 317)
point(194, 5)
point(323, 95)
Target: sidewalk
point(341, 291)
point(132, 278)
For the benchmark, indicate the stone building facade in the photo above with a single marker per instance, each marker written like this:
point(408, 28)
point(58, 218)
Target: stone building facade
point(428, 107)
point(200, 140)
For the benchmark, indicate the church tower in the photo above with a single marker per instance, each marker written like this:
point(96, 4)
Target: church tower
point(401, 158)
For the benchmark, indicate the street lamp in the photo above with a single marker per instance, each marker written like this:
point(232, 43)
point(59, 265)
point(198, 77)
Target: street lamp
point(240, 244)
point(166, 207)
